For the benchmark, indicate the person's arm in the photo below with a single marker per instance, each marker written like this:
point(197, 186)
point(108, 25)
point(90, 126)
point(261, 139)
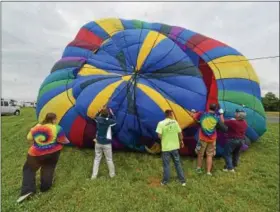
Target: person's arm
point(196, 116)
point(222, 119)
point(181, 139)
point(221, 113)
point(30, 136)
point(112, 119)
point(61, 137)
point(159, 131)
point(180, 135)
point(222, 126)
point(99, 111)
point(230, 123)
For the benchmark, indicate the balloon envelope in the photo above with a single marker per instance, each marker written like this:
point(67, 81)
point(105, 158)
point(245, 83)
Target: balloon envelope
point(139, 70)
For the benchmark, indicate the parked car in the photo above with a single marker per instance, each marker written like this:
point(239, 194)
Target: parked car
point(9, 107)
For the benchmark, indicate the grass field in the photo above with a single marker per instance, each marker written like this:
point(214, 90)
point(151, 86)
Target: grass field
point(136, 188)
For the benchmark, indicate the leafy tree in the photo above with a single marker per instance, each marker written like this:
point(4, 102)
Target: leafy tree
point(270, 102)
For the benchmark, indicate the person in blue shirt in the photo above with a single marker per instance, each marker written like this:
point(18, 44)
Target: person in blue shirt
point(105, 119)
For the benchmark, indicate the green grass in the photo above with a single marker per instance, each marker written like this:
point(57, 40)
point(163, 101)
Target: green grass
point(136, 188)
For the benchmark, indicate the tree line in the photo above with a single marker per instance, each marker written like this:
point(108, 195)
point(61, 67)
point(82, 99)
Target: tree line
point(271, 102)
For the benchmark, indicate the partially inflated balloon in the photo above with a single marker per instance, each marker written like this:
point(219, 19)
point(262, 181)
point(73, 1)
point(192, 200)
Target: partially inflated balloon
point(139, 70)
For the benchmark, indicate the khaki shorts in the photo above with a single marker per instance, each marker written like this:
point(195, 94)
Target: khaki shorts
point(208, 147)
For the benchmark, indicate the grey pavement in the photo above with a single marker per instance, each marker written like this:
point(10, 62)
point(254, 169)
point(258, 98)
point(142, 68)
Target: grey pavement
point(272, 119)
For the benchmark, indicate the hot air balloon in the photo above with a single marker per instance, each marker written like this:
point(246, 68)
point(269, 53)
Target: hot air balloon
point(139, 70)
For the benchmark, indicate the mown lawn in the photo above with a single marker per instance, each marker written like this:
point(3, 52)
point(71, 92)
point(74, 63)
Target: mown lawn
point(136, 188)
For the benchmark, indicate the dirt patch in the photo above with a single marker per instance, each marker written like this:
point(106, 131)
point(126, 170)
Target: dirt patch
point(154, 182)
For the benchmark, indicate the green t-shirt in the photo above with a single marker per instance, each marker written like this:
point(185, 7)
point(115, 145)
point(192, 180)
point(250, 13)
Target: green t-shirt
point(169, 130)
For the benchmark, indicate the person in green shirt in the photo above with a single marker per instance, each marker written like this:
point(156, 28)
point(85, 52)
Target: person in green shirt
point(171, 137)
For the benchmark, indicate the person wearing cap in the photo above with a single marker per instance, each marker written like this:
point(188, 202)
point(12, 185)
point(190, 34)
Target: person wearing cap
point(207, 136)
point(236, 129)
point(171, 137)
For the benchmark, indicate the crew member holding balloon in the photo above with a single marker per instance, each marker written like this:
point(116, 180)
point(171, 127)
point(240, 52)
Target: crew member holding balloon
point(48, 139)
point(235, 138)
point(207, 136)
point(105, 119)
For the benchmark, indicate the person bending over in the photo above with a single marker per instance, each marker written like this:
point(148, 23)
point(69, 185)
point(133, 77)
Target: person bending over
point(171, 137)
point(235, 138)
point(48, 139)
point(104, 120)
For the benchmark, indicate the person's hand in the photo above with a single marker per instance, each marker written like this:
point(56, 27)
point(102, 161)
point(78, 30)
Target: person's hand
point(111, 111)
point(221, 111)
point(193, 111)
point(182, 144)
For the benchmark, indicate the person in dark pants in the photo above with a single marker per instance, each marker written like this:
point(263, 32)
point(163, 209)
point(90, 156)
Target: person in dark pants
point(171, 137)
point(48, 139)
point(235, 138)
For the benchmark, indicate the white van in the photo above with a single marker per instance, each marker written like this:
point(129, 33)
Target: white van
point(8, 107)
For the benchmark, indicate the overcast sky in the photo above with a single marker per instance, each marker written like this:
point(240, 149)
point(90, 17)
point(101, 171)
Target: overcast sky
point(34, 35)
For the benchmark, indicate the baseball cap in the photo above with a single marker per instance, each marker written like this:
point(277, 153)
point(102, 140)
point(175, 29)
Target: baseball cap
point(239, 111)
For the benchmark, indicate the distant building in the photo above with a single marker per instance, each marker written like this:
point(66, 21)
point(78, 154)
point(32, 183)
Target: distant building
point(29, 104)
point(21, 103)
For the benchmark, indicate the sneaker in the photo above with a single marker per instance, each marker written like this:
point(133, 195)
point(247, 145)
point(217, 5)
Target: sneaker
point(209, 173)
point(112, 176)
point(229, 170)
point(163, 183)
point(23, 197)
point(199, 170)
point(93, 177)
point(184, 184)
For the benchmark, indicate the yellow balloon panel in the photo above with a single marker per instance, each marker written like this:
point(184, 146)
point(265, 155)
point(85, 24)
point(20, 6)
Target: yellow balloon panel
point(65, 100)
point(233, 67)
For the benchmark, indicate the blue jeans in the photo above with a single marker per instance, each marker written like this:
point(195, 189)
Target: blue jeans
point(166, 168)
point(232, 153)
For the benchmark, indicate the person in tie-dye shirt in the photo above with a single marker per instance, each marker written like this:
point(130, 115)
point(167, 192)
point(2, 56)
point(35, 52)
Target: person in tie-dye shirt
point(207, 135)
point(48, 139)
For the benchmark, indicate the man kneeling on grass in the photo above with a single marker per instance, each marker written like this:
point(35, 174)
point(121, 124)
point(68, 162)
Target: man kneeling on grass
point(103, 144)
point(235, 137)
point(171, 137)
